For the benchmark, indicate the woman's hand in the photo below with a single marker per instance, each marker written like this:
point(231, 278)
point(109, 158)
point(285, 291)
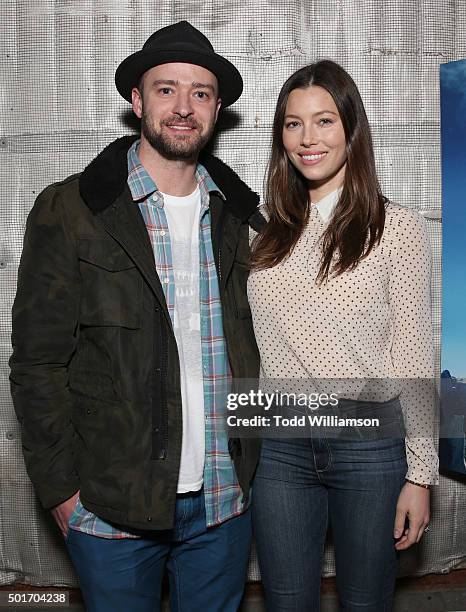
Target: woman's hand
point(414, 506)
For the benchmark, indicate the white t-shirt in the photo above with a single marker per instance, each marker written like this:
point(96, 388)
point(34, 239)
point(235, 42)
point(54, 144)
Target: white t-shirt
point(183, 223)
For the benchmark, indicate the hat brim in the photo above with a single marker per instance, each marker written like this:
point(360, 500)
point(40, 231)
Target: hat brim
point(133, 67)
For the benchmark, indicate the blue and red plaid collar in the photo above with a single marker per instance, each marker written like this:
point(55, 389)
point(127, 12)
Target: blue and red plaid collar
point(142, 186)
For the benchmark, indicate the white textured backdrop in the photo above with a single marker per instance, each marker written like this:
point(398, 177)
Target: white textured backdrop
point(59, 107)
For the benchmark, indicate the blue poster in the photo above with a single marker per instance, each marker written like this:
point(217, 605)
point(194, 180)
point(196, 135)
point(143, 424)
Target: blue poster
point(453, 389)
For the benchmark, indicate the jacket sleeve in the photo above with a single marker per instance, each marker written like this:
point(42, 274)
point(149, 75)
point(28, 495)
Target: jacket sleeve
point(44, 338)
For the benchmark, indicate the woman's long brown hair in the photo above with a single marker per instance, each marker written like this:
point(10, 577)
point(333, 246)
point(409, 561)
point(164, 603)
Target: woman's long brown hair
point(358, 221)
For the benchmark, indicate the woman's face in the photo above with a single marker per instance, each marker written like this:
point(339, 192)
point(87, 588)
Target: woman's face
point(314, 139)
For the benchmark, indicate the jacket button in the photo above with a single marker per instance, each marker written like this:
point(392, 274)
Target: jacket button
point(88, 411)
point(156, 430)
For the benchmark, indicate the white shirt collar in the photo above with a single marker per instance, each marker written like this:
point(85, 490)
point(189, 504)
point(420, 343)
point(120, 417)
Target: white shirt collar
point(326, 205)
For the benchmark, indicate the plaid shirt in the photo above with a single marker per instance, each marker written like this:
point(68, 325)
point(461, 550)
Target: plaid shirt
point(222, 492)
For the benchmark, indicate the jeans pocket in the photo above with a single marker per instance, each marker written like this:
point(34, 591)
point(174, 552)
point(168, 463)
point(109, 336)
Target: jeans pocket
point(283, 459)
point(374, 421)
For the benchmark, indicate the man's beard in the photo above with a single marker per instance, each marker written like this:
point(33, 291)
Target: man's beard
point(175, 148)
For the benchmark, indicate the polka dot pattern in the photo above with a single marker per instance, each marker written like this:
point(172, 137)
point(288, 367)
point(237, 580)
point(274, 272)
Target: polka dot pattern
point(373, 322)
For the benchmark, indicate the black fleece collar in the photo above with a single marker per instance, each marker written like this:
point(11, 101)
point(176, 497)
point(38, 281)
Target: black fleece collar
point(105, 178)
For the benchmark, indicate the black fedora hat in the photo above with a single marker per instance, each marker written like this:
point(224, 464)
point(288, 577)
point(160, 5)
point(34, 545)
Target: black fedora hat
point(180, 42)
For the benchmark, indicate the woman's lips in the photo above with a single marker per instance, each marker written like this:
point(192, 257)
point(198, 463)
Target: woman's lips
point(311, 159)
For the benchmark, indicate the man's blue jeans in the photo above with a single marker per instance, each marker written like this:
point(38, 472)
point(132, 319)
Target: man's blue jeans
point(301, 485)
point(206, 567)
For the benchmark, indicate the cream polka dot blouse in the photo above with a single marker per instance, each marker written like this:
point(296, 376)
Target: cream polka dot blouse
point(373, 322)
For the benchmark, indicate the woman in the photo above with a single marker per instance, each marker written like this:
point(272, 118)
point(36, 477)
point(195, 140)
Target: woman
point(340, 289)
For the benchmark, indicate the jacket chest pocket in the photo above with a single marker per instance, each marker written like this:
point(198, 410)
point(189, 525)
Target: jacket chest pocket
point(239, 282)
point(111, 285)
point(239, 275)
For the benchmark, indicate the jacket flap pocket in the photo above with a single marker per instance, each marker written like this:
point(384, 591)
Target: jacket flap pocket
point(105, 254)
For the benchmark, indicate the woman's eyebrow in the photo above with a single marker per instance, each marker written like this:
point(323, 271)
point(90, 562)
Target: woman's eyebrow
point(322, 112)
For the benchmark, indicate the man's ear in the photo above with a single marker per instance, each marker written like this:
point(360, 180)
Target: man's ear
point(136, 101)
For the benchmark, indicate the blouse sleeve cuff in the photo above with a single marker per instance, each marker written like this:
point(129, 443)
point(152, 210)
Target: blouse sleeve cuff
point(422, 470)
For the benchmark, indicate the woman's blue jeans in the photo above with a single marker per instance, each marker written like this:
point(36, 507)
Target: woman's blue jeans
point(304, 485)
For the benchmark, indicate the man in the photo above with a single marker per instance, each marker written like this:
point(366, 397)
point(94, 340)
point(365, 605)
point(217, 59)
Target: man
point(130, 320)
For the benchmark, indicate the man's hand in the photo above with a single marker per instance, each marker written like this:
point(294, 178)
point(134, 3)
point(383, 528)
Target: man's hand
point(414, 506)
point(63, 512)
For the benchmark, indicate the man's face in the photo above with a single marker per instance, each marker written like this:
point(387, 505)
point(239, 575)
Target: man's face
point(178, 107)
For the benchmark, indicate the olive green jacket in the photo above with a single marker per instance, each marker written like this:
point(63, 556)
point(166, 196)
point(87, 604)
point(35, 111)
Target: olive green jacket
point(95, 370)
